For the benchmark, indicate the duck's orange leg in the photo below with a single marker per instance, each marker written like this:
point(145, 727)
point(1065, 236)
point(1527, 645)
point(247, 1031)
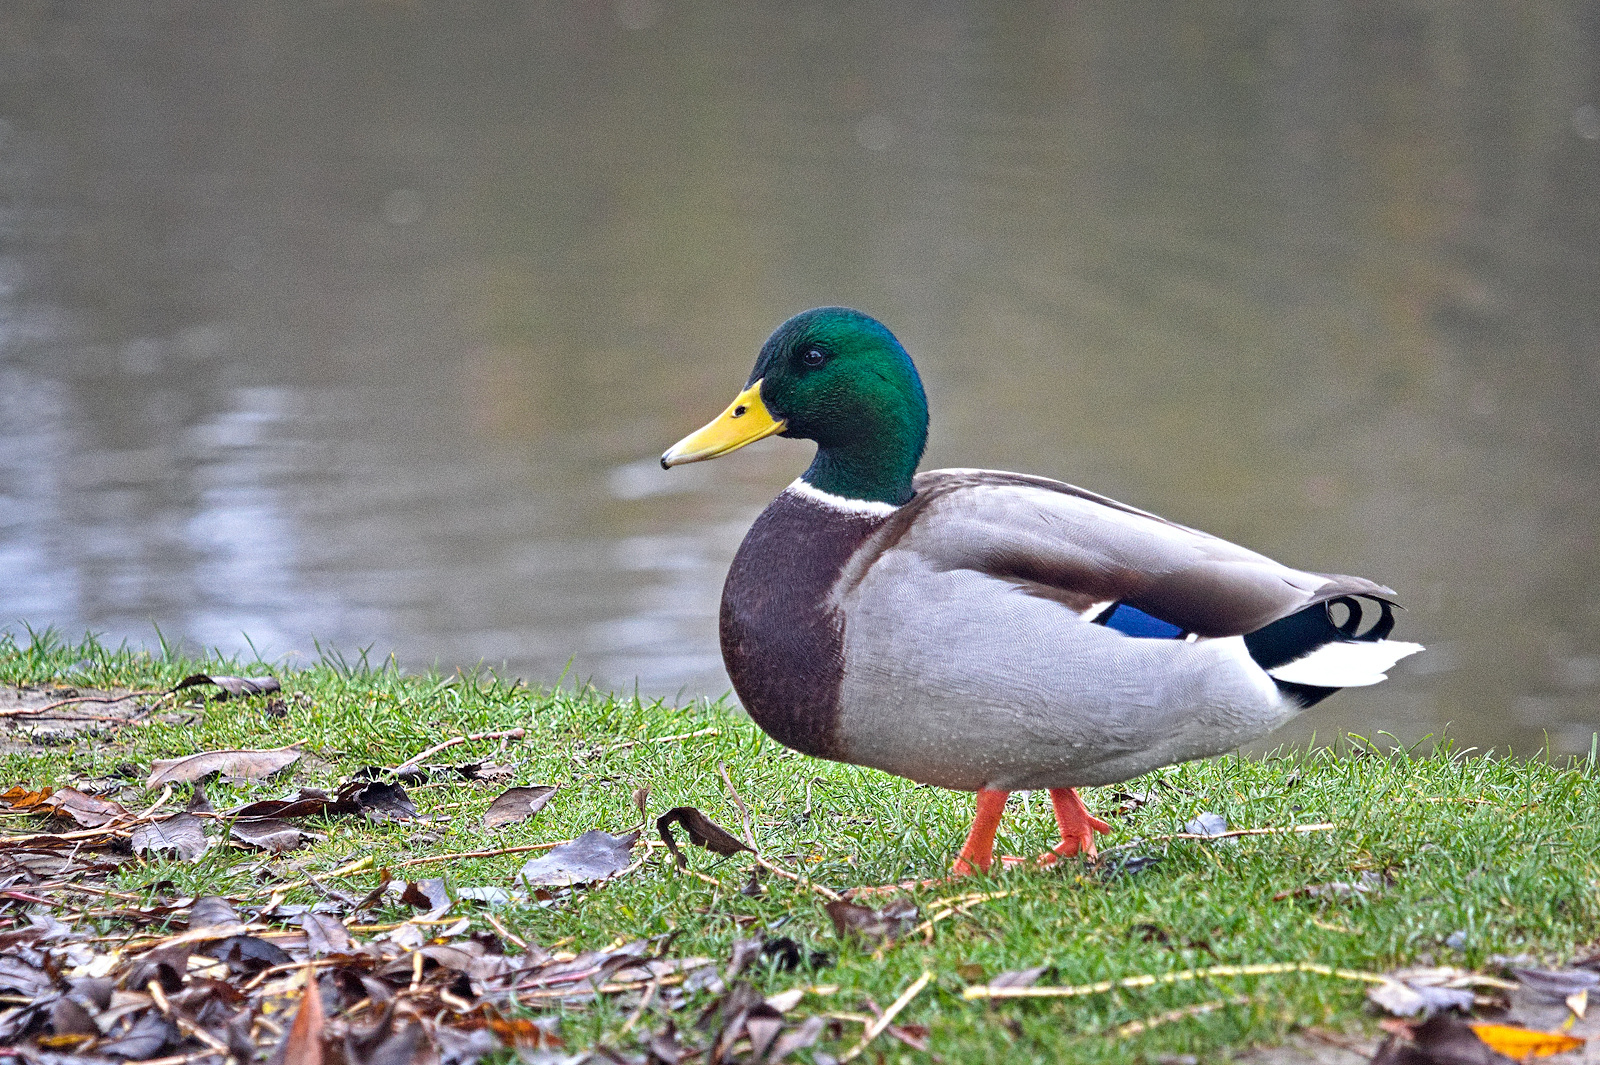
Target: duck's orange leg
point(1077, 825)
point(978, 852)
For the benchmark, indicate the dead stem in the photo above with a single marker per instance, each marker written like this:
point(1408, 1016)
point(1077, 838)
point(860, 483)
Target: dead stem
point(47, 707)
point(750, 841)
point(876, 1028)
point(416, 759)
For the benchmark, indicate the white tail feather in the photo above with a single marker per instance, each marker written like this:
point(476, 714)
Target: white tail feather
point(1345, 663)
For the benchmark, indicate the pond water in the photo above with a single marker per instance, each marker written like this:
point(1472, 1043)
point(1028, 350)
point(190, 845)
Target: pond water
point(346, 325)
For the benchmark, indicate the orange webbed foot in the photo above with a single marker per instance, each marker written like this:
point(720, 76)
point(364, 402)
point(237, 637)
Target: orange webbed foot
point(1077, 825)
point(977, 854)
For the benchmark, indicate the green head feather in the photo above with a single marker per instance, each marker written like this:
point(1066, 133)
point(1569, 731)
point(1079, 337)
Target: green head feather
point(839, 377)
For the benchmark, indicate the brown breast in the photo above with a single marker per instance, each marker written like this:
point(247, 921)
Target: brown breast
point(783, 646)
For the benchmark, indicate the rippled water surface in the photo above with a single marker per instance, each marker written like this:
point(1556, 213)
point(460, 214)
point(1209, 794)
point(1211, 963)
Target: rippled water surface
point(365, 323)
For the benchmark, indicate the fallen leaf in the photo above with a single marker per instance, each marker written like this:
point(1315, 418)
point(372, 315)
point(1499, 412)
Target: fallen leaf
point(593, 856)
point(804, 1036)
point(914, 1036)
point(1019, 977)
point(86, 810)
point(266, 833)
point(1405, 1000)
point(494, 896)
point(212, 911)
point(20, 797)
point(148, 1037)
point(1556, 984)
point(1443, 1040)
point(246, 955)
point(427, 895)
point(517, 804)
point(525, 1033)
point(784, 1001)
point(199, 802)
point(311, 802)
point(180, 834)
point(379, 800)
point(234, 686)
point(1206, 824)
point(890, 923)
point(703, 832)
point(249, 765)
point(762, 1031)
point(325, 934)
point(19, 977)
point(303, 1044)
point(1524, 1043)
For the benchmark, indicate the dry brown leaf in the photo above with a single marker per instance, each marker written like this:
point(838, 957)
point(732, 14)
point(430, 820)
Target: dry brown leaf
point(235, 686)
point(703, 832)
point(593, 856)
point(180, 834)
point(303, 1044)
point(892, 922)
point(1515, 1042)
point(18, 797)
point(86, 810)
point(250, 765)
point(267, 833)
point(517, 804)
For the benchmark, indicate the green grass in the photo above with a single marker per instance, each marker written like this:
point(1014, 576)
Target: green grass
point(1502, 850)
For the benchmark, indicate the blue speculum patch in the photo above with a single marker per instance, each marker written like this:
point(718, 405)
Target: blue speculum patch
point(1132, 622)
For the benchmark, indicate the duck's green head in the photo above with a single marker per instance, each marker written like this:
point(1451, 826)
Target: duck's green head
point(838, 377)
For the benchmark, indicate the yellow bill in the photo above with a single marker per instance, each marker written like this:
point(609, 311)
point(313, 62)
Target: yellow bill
point(744, 422)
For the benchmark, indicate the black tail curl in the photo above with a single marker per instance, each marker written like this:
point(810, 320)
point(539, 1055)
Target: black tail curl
point(1316, 626)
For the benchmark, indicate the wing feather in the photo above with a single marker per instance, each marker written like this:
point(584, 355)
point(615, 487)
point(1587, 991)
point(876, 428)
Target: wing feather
point(1070, 544)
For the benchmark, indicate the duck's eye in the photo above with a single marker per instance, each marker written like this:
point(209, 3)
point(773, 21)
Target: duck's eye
point(813, 357)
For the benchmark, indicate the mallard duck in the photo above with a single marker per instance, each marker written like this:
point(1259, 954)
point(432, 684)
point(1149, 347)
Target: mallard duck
point(989, 632)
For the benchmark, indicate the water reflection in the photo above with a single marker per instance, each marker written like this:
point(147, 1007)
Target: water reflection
point(366, 322)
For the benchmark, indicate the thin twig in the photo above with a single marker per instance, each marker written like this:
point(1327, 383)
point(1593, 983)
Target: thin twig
point(505, 933)
point(750, 841)
point(1183, 1013)
point(27, 711)
point(876, 1028)
point(90, 889)
point(744, 814)
point(638, 1011)
point(344, 870)
point(289, 967)
point(1152, 979)
point(963, 908)
point(508, 734)
point(827, 893)
point(575, 989)
point(411, 862)
point(1326, 826)
point(869, 890)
